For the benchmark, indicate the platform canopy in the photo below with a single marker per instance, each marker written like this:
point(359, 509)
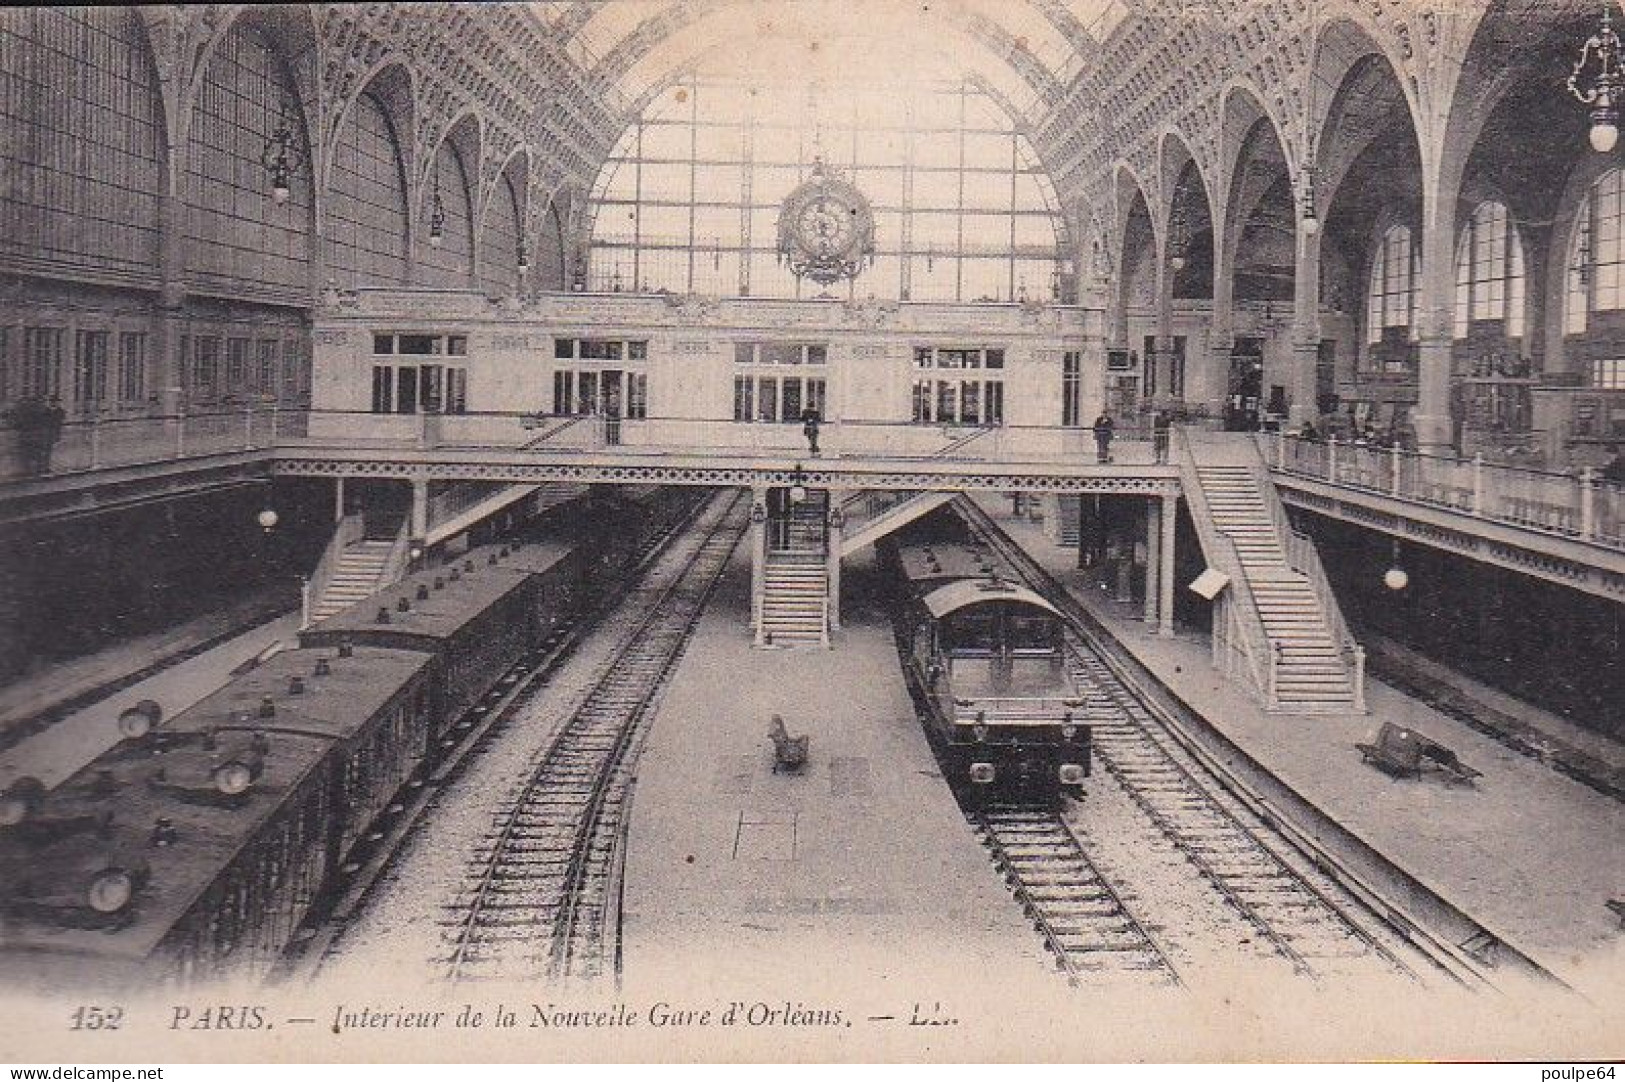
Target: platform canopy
point(967, 592)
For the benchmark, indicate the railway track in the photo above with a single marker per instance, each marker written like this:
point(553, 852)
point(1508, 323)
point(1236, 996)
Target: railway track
point(1302, 920)
point(1083, 920)
point(541, 891)
point(1299, 911)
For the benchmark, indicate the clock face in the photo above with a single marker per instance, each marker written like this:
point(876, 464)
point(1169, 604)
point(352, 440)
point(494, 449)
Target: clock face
point(826, 225)
point(826, 228)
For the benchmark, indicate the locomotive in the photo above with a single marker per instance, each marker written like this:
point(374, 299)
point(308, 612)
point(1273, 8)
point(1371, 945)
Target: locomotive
point(194, 848)
point(986, 657)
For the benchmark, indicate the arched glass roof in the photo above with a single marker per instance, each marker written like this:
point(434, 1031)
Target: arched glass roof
point(1024, 51)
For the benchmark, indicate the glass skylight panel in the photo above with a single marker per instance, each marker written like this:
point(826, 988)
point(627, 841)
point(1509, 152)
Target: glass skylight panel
point(1099, 17)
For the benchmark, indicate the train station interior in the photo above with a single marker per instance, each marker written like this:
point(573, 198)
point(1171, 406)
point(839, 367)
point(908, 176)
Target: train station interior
point(1096, 496)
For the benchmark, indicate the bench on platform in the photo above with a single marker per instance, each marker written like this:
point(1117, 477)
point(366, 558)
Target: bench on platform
point(1406, 753)
point(789, 752)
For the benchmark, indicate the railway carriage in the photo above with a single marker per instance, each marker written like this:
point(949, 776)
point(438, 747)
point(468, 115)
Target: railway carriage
point(477, 616)
point(195, 849)
point(986, 656)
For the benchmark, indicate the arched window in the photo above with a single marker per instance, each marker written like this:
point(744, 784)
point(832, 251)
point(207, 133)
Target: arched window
point(1597, 253)
point(81, 162)
point(499, 243)
point(366, 203)
point(448, 263)
point(238, 237)
point(1596, 280)
point(1489, 271)
point(1391, 301)
point(689, 198)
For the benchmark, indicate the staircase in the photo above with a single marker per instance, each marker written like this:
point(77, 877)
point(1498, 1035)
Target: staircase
point(795, 594)
point(355, 575)
point(869, 516)
point(1312, 665)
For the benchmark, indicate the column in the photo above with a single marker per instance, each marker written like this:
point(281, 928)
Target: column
point(1435, 314)
point(1305, 330)
point(758, 556)
point(1153, 557)
point(832, 557)
point(1215, 385)
point(338, 498)
point(1165, 576)
point(1163, 356)
point(165, 378)
point(420, 508)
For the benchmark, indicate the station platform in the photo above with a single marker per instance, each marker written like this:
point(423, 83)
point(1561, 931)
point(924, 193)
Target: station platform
point(859, 872)
point(1530, 854)
point(210, 648)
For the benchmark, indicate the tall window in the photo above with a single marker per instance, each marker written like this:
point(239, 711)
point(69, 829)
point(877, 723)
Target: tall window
point(449, 263)
point(90, 368)
point(132, 366)
point(366, 208)
point(1391, 301)
point(689, 199)
point(238, 237)
point(1597, 253)
point(583, 383)
point(958, 386)
point(1489, 272)
point(81, 160)
point(1071, 389)
point(766, 388)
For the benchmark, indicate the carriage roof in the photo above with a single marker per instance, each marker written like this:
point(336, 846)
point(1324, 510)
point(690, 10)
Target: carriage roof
point(964, 593)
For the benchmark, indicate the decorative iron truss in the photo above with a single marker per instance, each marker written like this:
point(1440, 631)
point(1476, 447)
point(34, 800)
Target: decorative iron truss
point(613, 469)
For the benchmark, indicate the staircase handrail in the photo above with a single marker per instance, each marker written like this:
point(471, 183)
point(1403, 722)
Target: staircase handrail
point(1262, 659)
point(1304, 558)
point(864, 507)
point(347, 532)
point(458, 497)
point(395, 563)
point(961, 441)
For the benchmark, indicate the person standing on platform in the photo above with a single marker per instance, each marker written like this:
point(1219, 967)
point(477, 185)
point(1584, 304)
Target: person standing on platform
point(1103, 437)
point(1161, 422)
point(809, 428)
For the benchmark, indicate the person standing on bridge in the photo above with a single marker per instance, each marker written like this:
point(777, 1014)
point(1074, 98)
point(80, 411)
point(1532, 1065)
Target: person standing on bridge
point(809, 428)
point(1103, 437)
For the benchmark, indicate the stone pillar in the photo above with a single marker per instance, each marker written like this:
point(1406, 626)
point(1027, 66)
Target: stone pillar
point(832, 558)
point(1435, 314)
point(1215, 381)
point(758, 557)
point(420, 508)
point(166, 380)
point(1153, 556)
point(1305, 330)
point(338, 498)
point(1163, 356)
point(1165, 577)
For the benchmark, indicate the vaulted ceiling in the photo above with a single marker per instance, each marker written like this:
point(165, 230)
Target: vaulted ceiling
point(1025, 52)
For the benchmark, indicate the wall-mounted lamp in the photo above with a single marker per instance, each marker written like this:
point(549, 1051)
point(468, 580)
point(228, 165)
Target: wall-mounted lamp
point(282, 155)
point(1602, 95)
point(437, 213)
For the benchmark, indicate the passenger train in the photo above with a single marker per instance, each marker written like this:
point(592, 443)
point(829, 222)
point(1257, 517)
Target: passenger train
point(985, 655)
point(194, 848)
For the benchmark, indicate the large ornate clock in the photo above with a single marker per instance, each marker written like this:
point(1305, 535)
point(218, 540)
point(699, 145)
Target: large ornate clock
point(826, 228)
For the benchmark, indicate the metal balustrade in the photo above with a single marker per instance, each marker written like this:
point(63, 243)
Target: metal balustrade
point(106, 441)
point(1578, 506)
point(545, 433)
